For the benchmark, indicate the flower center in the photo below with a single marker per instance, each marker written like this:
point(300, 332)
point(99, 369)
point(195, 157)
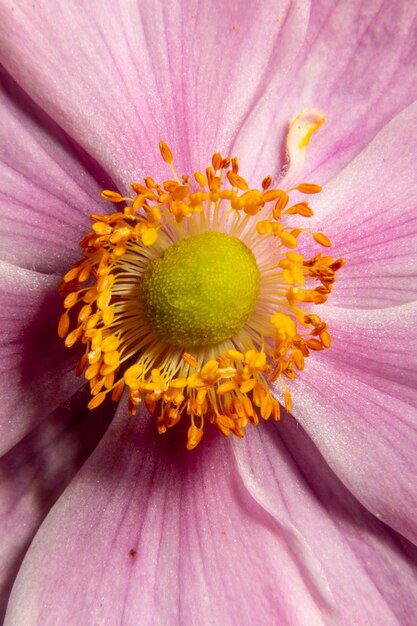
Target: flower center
point(201, 290)
point(195, 296)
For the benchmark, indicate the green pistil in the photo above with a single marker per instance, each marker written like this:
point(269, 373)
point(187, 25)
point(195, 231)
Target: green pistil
point(201, 290)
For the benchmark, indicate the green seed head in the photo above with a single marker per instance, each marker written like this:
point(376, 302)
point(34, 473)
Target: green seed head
point(201, 290)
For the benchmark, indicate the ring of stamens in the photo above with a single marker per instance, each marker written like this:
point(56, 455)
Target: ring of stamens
point(227, 383)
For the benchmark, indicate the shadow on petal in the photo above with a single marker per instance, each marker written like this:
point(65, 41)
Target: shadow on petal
point(27, 108)
point(36, 471)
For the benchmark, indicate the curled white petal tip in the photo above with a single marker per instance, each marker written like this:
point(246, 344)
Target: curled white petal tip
point(300, 132)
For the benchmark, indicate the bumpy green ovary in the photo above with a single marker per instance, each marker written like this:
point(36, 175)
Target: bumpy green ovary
point(201, 290)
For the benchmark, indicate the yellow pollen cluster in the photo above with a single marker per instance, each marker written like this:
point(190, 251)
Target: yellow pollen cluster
point(227, 384)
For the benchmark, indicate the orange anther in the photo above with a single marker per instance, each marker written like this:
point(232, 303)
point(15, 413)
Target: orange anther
point(200, 179)
point(302, 208)
point(117, 391)
point(84, 274)
point(308, 188)
point(101, 228)
point(108, 316)
point(73, 273)
point(188, 358)
point(92, 371)
point(225, 421)
point(234, 355)
point(81, 365)
point(111, 358)
point(97, 400)
point(280, 205)
point(104, 299)
point(266, 407)
point(165, 152)
point(216, 161)
point(84, 313)
point(225, 387)
point(322, 239)
point(288, 240)
point(194, 436)
point(325, 338)
point(63, 325)
point(178, 383)
point(267, 181)
point(111, 196)
point(110, 343)
point(264, 227)
point(72, 337)
point(288, 401)
point(237, 181)
point(248, 385)
point(314, 344)
point(94, 355)
point(149, 236)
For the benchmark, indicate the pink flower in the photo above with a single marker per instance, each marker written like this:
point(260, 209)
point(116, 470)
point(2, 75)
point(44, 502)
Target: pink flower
point(308, 521)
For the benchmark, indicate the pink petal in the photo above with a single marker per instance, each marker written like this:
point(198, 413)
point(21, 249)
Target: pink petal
point(35, 473)
point(369, 212)
point(148, 533)
point(358, 403)
point(378, 343)
point(45, 193)
point(358, 66)
point(37, 371)
point(120, 76)
point(173, 526)
point(370, 571)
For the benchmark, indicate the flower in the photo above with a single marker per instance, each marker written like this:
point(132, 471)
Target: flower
point(310, 520)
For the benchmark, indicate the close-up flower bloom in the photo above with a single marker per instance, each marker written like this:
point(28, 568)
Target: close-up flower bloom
point(208, 298)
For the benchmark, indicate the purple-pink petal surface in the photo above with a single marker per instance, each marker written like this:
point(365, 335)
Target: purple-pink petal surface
point(308, 521)
point(238, 531)
point(33, 475)
point(163, 73)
